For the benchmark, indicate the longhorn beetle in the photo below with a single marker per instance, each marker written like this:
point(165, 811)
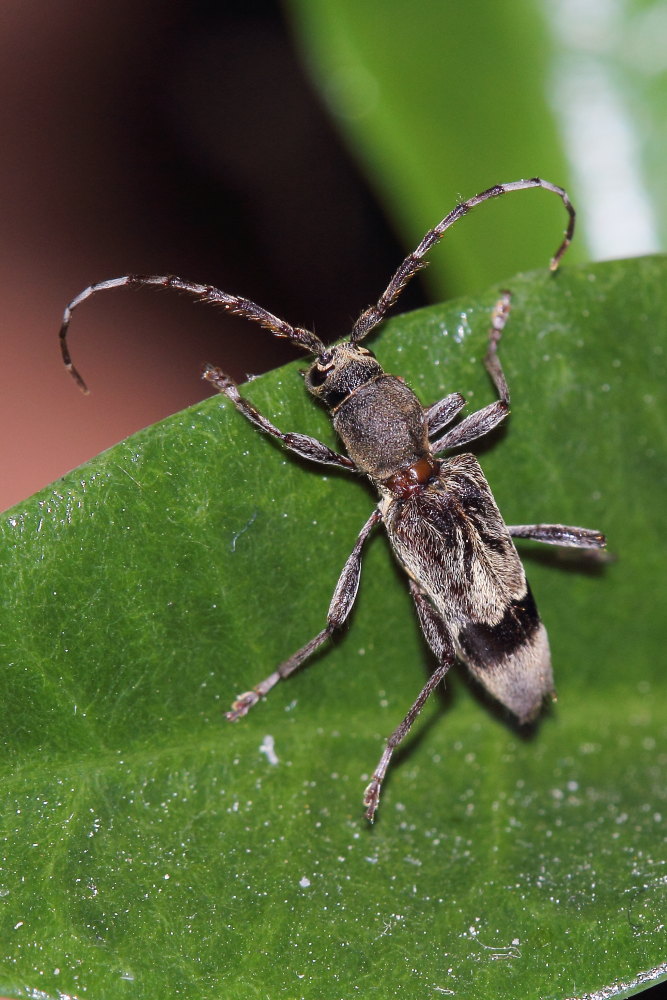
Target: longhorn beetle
point(464, 573)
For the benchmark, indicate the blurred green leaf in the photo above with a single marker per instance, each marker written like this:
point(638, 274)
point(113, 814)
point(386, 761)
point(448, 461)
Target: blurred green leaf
point(439, 101)
point(151, 849)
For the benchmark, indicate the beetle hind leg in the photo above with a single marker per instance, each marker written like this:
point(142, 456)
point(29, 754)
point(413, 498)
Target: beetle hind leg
point(438, 637)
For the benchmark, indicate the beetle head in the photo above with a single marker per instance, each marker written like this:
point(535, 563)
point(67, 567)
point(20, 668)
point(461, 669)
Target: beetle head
point(339, 370)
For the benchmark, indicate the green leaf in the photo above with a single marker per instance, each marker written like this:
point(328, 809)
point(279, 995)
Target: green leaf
point(151, 849)
point(431, 109)
point(441, 100)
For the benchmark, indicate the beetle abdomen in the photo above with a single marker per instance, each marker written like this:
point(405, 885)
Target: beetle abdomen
point(453, 542)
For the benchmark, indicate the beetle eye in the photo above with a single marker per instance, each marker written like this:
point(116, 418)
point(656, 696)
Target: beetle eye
point(318, 375)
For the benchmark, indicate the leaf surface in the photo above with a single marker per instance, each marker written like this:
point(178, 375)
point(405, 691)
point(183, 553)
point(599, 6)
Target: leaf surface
point(152, 849)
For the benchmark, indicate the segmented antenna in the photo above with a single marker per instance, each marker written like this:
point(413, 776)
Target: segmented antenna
point(414, 262)
point(204, 293)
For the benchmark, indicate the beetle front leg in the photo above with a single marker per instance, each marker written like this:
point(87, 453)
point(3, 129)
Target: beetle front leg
point(474, 426)
point(341, 604)
point(301, 444)
point(441, 413)
point(499, 318)
point(478, 424)
point(437, 636)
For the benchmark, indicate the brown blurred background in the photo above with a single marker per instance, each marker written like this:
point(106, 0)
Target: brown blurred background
point(161, 138)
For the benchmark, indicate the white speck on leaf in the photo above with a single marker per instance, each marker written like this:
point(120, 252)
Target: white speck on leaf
point(267, 747)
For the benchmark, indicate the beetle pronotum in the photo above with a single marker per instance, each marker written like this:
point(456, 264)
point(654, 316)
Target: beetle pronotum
point(464, 573)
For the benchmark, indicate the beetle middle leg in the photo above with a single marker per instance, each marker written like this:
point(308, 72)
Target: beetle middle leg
point(437, 636)
point(559, 534)
point(341, 604)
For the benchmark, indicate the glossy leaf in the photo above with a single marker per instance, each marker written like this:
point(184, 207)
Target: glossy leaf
point(438, 101)
point(152, 849)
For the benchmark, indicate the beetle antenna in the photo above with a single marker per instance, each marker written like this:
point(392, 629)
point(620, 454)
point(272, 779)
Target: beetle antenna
point(204, 293)
point(414, 262)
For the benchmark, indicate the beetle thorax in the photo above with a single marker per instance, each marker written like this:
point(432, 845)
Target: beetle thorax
point(379, 418)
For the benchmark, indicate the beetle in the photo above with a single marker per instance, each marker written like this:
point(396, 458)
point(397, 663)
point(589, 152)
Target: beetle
point(465, 576)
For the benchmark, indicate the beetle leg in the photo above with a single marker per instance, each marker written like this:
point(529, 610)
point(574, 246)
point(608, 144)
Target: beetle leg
point(441, 413)
point(301, 444)
point(341, 604)
point(499, 318)
point(478, 424)
point(559, 534)
point(437, 636)
point(474, 426)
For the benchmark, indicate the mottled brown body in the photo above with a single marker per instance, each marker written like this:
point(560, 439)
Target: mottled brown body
point(383, 428)
point(445, 528)
point(465, 576)
point(476, 584)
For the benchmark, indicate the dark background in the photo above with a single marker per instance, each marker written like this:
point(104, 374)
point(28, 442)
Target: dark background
point(162, 138)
